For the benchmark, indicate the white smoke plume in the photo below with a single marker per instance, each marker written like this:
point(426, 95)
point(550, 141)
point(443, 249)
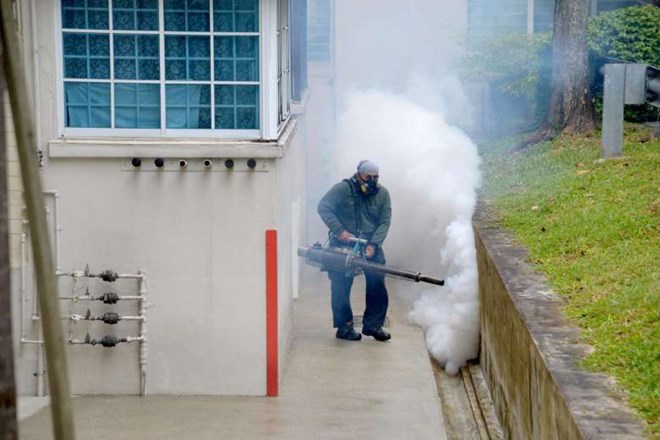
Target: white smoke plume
point(431, 169)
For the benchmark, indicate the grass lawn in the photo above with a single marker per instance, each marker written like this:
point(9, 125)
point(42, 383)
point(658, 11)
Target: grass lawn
point(594, 228)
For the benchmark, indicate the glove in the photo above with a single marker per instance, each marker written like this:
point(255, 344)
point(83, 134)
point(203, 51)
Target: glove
point(370, 251)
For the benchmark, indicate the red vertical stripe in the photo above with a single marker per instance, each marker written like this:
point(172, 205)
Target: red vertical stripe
point(272, 368)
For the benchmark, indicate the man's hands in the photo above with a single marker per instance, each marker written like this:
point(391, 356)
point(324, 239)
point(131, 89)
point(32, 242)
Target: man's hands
point(345, 236)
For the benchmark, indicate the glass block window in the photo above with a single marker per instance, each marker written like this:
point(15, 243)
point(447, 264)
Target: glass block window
point(544, 15)
point(161, 64)
point(319, 30)
point(487, 18)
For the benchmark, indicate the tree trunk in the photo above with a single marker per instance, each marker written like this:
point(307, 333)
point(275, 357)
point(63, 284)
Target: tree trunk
point(8, 425)
point(571, 107)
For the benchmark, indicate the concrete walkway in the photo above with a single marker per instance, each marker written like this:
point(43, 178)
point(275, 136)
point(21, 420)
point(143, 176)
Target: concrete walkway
point(330, 389)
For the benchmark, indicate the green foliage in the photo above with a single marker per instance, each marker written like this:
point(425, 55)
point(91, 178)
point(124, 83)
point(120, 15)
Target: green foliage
point(513, 63)
point(629, 34)
point(593, 227)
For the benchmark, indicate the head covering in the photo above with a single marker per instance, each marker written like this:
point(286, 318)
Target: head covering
point(367, 167)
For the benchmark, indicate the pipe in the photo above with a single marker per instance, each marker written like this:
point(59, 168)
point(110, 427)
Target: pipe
point(142, 291)
point(110, 274)
point(127, 339)
point(183, 163)
point(100, 298)
point(40, 373)
point(56, 226)
point(105, 317)
point(22, 287)
point(32, 341)
point(36, 69)
point(106, 341)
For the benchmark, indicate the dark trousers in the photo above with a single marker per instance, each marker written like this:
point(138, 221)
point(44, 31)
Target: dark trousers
point(376, 296)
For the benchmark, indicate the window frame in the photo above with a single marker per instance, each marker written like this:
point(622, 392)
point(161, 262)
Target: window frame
point(269, 126)
point(284, 60)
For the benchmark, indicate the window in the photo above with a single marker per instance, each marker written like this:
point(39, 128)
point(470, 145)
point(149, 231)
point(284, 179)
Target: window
point(320, 24)
point(488, 18)
point(298, 48)
point(161, 65)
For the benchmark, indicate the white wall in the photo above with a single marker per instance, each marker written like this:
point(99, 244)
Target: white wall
point(200, 237)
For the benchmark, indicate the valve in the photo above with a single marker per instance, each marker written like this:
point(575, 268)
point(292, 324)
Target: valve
point(159, 162)
point(109, 275)
point(110, 318)
point(110, 298)
point(136, 162)
point(229, 163)
point(251, 163)
point(109, 341)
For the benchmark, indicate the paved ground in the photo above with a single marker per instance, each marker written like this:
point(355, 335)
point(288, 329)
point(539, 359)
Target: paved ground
point(330, 389)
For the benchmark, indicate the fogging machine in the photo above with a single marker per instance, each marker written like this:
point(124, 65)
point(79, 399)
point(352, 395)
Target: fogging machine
point(345, 260)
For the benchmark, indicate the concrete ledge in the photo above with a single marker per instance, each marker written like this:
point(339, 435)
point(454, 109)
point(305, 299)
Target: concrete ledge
point(124, 147)
point(529, 353)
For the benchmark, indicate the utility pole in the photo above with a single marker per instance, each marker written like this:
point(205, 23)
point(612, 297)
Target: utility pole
point(8, 424)
point(23, 119)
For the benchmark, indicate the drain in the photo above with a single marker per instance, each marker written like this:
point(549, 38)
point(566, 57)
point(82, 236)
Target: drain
point(357, 321)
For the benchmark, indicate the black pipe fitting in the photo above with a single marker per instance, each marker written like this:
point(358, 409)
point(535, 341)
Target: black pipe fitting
point(159, 162)
point(109, 341)
point(251, 163)
point(110, 318)
point(229, 163)
point(136, 162)
point(109, 276)
point(106, 341)
point(110, 298)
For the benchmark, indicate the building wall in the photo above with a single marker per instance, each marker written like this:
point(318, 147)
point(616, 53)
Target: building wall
point(198, 234)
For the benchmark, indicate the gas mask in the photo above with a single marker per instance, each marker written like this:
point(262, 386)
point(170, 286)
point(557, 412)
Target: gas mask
point(369, 185)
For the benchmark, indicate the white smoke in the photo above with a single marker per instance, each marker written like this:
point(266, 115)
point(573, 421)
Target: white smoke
point(431, 169)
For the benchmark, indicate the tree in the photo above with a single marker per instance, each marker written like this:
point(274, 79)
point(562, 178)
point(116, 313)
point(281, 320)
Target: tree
point(571, 107)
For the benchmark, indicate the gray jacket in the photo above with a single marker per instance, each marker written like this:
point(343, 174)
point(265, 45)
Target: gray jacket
point(345, 207)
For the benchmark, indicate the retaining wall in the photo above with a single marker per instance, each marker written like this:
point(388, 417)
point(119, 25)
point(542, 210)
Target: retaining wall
point(529, 354)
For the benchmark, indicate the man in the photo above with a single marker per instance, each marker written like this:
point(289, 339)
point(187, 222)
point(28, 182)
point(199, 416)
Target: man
point(358, 207)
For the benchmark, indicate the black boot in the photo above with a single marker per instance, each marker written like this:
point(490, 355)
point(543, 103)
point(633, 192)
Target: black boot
point(348, 333)
point(378, 333)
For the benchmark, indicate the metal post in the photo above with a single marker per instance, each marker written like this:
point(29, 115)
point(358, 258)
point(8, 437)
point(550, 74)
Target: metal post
point(33, 193)
point(8, 424)
point(614, 90)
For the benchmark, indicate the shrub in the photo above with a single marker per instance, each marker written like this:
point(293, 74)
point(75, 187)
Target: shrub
point(517, 65)
point(513, 63)
point(628, 34)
